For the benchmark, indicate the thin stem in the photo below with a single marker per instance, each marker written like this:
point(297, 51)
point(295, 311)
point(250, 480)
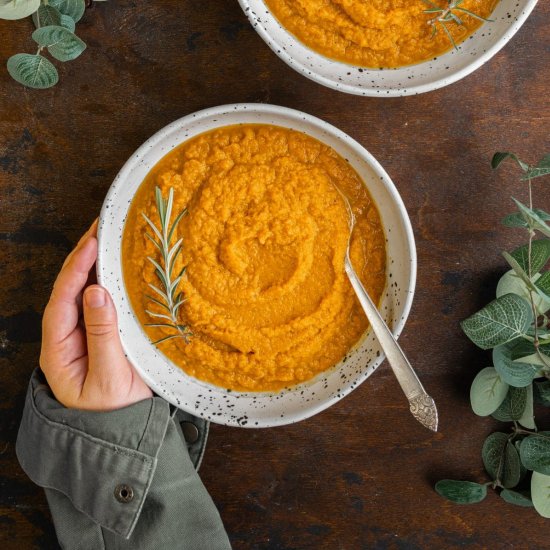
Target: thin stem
point(530, 432)
point(536, 342)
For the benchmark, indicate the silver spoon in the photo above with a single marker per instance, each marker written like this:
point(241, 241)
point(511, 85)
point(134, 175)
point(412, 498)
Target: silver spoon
point(422, 406)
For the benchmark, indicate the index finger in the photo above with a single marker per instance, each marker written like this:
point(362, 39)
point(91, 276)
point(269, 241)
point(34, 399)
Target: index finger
point(62, 312)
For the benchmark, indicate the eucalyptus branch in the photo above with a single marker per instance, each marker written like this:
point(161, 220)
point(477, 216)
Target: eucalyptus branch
point(55, 22)
point(536, 342)
point(515, 327)
point(168, 298)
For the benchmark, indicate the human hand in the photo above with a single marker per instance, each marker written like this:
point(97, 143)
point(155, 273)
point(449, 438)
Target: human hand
point(83, 360)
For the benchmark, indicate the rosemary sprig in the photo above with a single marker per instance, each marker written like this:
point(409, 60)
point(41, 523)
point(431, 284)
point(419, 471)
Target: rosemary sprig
point(169, 298)
point(448, 15)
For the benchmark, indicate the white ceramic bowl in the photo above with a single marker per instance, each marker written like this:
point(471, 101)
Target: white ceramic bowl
point(256, 409)
point(430, 75)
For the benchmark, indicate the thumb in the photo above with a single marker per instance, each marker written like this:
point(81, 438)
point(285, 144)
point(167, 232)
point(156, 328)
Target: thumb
point(104, 348)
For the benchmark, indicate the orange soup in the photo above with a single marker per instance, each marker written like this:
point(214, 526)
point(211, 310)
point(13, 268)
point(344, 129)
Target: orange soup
point(377, 33)
point(267, 299)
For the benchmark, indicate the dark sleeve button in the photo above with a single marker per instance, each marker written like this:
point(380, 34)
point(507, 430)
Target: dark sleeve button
point(124, 493)
point(190, 432)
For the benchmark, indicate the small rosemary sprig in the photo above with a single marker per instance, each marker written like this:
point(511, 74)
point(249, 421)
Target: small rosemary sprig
point(170, 298)
point(448, 15)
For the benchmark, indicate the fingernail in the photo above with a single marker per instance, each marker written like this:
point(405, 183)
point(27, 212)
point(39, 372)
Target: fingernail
point(95, 297)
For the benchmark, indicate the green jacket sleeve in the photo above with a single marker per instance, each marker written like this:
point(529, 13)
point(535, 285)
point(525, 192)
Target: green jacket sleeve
point(121, 479)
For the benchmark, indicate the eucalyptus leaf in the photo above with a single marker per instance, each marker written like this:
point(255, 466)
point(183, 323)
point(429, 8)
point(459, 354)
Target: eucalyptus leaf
point(541, 169)
point(502, 320)
point(527, 419)
point(34, 71)
point(73, 8)
point(540, 254)
point(18, 9)
point(46, 15)
point(501, 459)
point(518, 270)
point(68, 22)
point(543, 284)
point(535, 453)
point(499, 157)
point(522, 468)
point(513, 373)
point(533, 219)
point(487, 392)
point(542, 393)
point(513, 406)
point(540, 493)
point(517, 220)
point(461, 492)
point(536, 360)
point(61, 42)
point(524, 348)
point(517, 498)
point(511, 282)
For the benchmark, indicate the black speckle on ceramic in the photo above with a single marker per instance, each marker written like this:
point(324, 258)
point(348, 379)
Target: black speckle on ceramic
point(256, 410)
point(507, 18)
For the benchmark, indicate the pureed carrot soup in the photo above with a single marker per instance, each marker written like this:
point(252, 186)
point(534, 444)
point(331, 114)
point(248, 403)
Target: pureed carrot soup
point(376, 33)
point(264, 240)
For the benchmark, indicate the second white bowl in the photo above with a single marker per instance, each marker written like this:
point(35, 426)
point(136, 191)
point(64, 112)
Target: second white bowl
point(507, 17)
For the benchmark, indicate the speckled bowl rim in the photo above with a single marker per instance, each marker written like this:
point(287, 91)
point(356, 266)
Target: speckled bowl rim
point(367, 76)
point(109, 272)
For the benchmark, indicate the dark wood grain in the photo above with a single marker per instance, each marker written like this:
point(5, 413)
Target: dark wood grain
point(361, 474)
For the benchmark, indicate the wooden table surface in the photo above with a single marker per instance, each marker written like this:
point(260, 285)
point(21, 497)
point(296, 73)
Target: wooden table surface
point(361, 474)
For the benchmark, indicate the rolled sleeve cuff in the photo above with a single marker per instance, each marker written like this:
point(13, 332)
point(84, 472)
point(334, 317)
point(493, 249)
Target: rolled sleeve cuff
point(56, 453)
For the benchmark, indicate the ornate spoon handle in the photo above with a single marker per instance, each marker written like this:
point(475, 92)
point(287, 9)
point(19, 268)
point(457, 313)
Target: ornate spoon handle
point(421, 404)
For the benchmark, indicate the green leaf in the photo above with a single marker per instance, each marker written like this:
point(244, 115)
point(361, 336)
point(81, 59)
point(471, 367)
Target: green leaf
point(34, 71)
point(501, 459)
point(461, 492)
point(46, 15)
point(524, 348)
point(535, 359)
point(540, 493)
point(517, 220)
point(517, 498)
point(540, 254)
point(487, 392)
point(513, 373)
point(18, 9)
point(499, 322)
point(542, 393)
point(512, 283)
point(518, 270)
point(499, 157)
point(73, 8)
point(533, 220)
point(67, 22)
point(535, 453)
point(61, 42)
point(541, 169)
point(543, 283)
point(527, 419)
point(513, 406)
point(523, 469)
